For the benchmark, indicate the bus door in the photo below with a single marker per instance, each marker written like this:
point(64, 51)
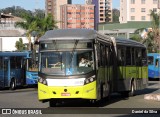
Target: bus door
point(6, 71)
point(1, 73)
point(144, 65)
point(108, 71)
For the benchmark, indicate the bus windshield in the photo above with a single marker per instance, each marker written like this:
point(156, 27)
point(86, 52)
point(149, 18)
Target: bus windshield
point(67, 62)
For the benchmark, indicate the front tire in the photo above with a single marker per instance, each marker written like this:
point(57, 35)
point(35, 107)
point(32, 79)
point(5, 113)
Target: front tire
point(52, 103)
point(12, 84)
point(132, 91)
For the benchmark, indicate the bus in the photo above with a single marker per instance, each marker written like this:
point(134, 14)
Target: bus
point(153, 65)
point(16, 70)
point(84, 64)
point(31, 65)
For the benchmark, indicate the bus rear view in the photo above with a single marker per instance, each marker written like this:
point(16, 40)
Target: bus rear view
point(153, 65)
point(66, 66)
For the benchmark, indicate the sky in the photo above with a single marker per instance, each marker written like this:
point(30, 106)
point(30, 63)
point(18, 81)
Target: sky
point(40, 4)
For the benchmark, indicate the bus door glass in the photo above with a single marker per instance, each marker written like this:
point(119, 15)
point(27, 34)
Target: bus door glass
point(107, 64)
point(1, 72)
point(144, 65)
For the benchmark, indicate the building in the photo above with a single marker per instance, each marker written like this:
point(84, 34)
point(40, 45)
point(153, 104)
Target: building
point(103, 11)
point(9, 34)
point(53, 7)
point(137, 10)
point(77, 16)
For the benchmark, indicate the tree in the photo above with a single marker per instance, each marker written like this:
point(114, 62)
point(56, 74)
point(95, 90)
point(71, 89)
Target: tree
point(29, 25)
point(47, 23)
point(19, 45)
point(155, 27)
point(116, 15)
point(152, 41)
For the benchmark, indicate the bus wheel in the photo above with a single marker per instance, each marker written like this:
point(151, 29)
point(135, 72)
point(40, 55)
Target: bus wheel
point(12, 84)
point(132, 91)
point(52, 103)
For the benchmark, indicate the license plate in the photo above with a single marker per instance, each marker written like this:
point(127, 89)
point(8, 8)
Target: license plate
point(65, 94)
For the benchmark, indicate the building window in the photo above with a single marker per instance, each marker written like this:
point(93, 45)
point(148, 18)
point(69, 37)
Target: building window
point(143, 18)
point(143, 1)
point(132, 1)
point(132, 9)
point(155, 1)
point(143, 10)
point(132, 18)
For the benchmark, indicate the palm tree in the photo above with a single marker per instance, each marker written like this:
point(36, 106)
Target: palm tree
point(36, 24)
point(30, 24)
point(45, 24)
point(155, 27)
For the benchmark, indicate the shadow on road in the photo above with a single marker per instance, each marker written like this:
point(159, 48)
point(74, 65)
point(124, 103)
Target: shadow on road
point(106, 101)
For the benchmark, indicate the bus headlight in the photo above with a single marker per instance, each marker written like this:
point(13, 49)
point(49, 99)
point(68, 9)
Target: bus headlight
point(42, 80)
point(89, 80)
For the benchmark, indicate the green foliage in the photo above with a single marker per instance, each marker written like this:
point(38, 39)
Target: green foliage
point(136, 37)
point(116, 15)
point(19, 11)
point(153, 37)
point(19, 45)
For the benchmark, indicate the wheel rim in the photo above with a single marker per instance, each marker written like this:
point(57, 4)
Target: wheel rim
point(12, 85)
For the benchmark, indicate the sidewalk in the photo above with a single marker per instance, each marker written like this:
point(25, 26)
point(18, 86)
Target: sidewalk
point(154, 95)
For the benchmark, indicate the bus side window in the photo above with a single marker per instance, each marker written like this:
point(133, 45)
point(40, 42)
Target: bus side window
point(133, 56)
point(138, 57)
point(128, 56)
point(150, 60)
point(121, 56)
point(156, 63)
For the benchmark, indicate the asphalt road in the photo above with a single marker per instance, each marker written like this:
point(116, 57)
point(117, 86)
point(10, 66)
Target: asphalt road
point(123, 106)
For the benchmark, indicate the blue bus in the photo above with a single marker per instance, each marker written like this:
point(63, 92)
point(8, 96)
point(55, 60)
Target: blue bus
point(31, 69)
point(153, 65)
point(17, 69)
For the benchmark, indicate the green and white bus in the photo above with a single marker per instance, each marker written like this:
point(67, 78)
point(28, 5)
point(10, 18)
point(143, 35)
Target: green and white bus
point(84, 64)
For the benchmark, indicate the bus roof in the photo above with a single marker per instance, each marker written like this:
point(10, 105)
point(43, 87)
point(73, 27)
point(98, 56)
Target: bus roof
point(129, 42)
point(64, 34)
point(26, 54)
point(153, 54)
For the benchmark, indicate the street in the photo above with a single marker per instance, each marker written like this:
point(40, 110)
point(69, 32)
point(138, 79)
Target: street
point(27, 98)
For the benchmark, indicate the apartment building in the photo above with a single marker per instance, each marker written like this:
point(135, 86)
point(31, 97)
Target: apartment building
point(77, 16)
point(103, 11)
point(53, 7)
point(137, 10)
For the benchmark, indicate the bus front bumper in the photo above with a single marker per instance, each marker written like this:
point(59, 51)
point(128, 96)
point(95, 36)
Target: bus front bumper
point(87, 91)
